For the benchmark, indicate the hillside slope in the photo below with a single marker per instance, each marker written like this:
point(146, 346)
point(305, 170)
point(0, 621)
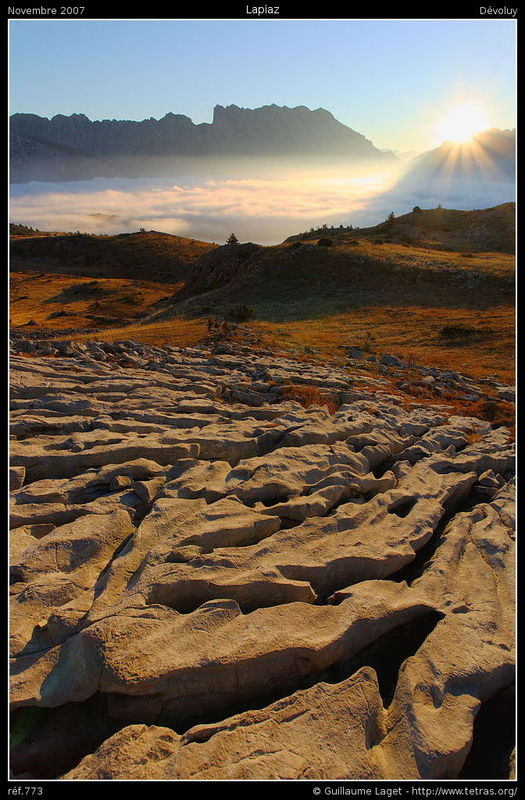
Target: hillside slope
point(392, 264)
point(452, 309)
point(149, 255)
point(481, 230)
point(490, 153)
point(470, 175)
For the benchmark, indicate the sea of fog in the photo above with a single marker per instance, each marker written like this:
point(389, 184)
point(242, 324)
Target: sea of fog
point(261, 204)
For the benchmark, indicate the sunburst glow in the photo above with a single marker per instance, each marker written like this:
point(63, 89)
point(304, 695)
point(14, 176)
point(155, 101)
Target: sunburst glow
point(462, 123)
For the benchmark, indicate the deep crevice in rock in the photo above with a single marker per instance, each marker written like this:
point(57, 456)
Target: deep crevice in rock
point(271, 501)
point(51, 741)
point(423, 558)
point(47, 742)
point(379, 470)
point(494, 737)
point(402, 508)
point(385, 655)
point(100, 582)
point(266, 447)
point(188, 598)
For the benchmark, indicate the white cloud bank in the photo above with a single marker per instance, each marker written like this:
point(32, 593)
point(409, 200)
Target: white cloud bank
point(257, 209)
point(261, 209)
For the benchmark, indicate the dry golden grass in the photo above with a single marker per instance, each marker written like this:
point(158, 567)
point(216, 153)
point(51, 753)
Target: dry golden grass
point(187, 332)
point(439, 229)
point(161, 256)
point(319, 299)
point(498, 413)
point(175, 332)
point(21, 236)
point(37, 296)
point(308, 395)
point(411, 333)
point(415, 256)
point(423, 258)
point(474, 437)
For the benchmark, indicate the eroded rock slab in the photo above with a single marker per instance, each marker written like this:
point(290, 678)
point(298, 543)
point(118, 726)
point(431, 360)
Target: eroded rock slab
point(228, 576)
point(274, 743)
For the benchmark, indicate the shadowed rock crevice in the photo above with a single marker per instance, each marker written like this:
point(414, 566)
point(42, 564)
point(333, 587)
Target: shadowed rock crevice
point(402, 508)
point(378, 470)
point(490, 756)
point(77, 729)
point(386, 654)
point(91, 722)
point(46, 742)
point(424, 556)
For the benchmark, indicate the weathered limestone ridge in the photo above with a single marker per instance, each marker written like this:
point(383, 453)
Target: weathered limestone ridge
point(207, 578)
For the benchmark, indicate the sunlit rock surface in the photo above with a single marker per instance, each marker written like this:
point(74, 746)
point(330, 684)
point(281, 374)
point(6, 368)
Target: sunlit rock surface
point(202, 587)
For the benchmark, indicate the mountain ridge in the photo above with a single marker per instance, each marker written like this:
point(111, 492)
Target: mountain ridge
point(37, 143)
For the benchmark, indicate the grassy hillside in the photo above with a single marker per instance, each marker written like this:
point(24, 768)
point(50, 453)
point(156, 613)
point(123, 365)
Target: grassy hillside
point(489, 229)
point(145, 254)
point(286, 282)
point(440, 307)
point(62, 302)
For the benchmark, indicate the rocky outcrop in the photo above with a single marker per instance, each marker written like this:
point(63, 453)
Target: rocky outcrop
point(201, 588)
point(216, 269)
point(424, 729)
point(276, 741)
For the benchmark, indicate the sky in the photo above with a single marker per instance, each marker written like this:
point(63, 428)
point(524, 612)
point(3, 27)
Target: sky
point(389, 80)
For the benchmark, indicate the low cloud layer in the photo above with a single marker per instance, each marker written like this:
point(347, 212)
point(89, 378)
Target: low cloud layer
point(257, 209)
point(264, 210)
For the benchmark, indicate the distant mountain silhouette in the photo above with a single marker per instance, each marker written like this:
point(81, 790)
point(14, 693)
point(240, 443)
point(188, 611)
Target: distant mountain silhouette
point(488, 156)
point(74, 147)
point(475, 174)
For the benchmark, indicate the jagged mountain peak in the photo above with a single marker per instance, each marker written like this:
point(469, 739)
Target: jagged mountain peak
point(74, 147)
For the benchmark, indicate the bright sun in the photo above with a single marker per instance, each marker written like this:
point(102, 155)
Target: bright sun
point(461, 123)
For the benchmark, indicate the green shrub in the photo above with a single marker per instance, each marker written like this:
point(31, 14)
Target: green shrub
point(489, 410)
point(241, 313)
point(456, 331)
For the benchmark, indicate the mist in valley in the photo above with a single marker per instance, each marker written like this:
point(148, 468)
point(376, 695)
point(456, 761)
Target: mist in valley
point(264, 200)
